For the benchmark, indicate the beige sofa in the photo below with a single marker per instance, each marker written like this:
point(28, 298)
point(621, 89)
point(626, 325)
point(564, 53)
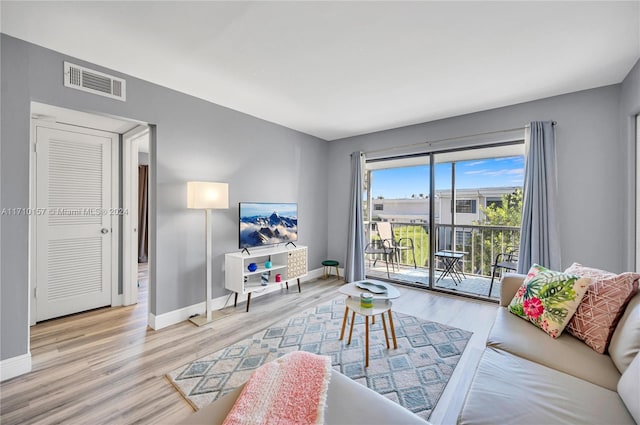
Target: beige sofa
point(526, 377)
point(348, 402)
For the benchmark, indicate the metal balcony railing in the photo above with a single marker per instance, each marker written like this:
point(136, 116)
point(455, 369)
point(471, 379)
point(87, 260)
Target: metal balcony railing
point(481, 243)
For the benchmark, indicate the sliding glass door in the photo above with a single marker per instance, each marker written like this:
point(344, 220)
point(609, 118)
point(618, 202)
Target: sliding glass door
point(451, 211)
point(397, 225)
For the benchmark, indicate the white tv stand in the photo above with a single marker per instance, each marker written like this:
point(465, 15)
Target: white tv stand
point(290, 262)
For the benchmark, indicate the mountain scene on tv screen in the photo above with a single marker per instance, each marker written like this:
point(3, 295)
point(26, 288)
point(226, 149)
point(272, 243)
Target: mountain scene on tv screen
point(257, 230)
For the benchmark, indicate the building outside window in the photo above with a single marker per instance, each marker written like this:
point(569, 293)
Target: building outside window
point(463, 238)
point(467, 206)
point(494, 202)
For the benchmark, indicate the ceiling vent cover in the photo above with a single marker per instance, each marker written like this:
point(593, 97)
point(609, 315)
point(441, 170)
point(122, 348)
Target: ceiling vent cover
point(85, 79)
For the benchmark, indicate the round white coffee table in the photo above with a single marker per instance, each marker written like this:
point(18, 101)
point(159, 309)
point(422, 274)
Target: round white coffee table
point(381, 304)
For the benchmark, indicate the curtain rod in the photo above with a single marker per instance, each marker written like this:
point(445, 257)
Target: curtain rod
point(430, 142)
point(553, 123)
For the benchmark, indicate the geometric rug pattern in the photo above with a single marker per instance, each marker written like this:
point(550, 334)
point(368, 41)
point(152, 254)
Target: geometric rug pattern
point(414, 375)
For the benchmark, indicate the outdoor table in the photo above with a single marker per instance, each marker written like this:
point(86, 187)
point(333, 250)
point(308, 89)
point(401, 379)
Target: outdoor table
point(451, 260)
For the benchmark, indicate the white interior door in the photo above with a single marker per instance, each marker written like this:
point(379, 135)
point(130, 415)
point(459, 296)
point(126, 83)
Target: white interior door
point(74, 219)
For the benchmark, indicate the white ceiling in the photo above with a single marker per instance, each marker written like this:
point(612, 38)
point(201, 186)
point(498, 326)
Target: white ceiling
point(338, 69)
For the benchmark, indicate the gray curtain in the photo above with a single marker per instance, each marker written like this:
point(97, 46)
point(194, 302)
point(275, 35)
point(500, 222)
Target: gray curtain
point(354, 266)
point(539, 241)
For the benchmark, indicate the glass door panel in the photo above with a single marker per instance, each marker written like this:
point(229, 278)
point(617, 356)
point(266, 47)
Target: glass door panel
point(479, 193)
point(398, 220)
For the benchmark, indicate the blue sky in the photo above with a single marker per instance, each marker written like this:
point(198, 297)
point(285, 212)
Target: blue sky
point(250, 209)
point(494, 172)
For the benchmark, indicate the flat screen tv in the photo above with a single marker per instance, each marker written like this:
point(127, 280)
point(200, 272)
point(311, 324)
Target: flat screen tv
point(263, 224)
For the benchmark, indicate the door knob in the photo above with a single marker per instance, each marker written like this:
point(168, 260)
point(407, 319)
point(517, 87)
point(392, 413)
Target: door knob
point(104, 230)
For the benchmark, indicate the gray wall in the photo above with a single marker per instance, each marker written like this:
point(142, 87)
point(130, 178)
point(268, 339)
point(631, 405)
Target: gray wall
point(629, 108)
point(194, 140)
point(593, 169)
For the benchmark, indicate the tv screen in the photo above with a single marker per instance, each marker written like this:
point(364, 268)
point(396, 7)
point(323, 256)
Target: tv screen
point(263, 224)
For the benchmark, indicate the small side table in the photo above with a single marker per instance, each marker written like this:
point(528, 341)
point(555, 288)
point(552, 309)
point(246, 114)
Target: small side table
point(451, 259)
point(379, 307)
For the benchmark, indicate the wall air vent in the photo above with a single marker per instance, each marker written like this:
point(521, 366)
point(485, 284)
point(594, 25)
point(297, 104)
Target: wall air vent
point(81, 78)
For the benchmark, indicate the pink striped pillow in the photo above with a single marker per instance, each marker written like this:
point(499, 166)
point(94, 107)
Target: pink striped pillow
point(602, 306)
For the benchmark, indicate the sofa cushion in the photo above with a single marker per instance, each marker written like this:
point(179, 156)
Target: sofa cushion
point(629, 388)
point(625, 341)
point(508, 389)
point(597, 315)
point(548, 299)
point(509, 285)
point(566, 353)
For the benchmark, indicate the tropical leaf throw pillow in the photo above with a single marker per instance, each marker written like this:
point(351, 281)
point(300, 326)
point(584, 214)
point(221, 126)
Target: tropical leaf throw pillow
point(548, 299)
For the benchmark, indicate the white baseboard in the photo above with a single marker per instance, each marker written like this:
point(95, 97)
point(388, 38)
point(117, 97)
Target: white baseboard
point(15, 366)
point(314, 274)
point(176, 316)
point(117, 301)
point(319, 273)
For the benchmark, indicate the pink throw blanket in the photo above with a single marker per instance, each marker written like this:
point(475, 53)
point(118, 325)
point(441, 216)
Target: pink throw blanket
point(288, 390)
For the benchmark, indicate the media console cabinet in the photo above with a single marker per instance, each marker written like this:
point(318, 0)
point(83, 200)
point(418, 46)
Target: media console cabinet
point(287, 264)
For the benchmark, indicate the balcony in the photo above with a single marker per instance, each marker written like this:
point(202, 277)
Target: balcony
point(480, 245)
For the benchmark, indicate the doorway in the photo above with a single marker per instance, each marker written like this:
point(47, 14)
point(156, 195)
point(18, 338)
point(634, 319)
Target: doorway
point(135, 176)
point(74, 220)
point(66, 146)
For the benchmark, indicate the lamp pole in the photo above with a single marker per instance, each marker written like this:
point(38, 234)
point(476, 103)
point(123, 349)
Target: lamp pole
point(207, 196)
point(209, 257)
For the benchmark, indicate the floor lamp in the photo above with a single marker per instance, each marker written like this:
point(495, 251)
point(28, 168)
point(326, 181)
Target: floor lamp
point(207, 196)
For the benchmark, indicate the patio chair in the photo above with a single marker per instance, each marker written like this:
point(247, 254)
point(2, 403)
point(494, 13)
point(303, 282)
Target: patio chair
point(505, 260)
point(382, 250)
point(398, 245)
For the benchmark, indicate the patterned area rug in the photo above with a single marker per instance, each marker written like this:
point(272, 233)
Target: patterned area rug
point(414, 375)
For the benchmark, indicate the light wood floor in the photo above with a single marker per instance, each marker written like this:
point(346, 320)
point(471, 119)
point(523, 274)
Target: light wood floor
point(106, 366)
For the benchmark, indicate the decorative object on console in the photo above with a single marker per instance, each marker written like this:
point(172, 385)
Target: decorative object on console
point(598, 313)
point(267, 265)
point(548, 299)
point(252, 267)
point(207, 196)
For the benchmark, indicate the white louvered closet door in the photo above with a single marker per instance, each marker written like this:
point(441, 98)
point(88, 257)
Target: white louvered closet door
point(73, 226)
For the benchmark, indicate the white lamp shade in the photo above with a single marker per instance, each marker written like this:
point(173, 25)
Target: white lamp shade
point(207, 195)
